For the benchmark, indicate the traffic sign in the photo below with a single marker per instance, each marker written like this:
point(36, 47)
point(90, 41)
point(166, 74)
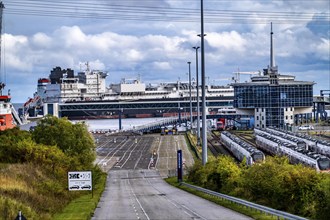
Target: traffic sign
point(179, 165)
point(80, 180)
point(20, 216)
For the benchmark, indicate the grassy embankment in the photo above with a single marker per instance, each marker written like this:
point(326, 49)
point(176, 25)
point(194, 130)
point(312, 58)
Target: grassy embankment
point(27, 188)
point(84, 206)
point(195, 150)
point(33, 171)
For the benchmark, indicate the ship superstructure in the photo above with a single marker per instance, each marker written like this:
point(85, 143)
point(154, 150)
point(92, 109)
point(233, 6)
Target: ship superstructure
point(88, 87)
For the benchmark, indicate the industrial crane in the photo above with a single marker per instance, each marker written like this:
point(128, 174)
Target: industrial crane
point(224, 79)
point(238, 73)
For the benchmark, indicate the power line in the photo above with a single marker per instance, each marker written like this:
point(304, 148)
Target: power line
point(114, 11)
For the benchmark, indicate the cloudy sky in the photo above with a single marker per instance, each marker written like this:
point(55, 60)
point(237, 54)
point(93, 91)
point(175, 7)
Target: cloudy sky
point(154, 39)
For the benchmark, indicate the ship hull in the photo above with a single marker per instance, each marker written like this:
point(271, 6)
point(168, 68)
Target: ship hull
point(6, 122)
point(6, 118)
point(110, 111)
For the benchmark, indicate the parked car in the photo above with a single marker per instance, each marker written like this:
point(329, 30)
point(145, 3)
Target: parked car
point(74, 187)
point(86, 187)
point(306, 127)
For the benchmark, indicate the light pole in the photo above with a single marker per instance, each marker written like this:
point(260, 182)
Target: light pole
point(204, 141)
point(120, 115)
point(197, 97)
point(190, 95)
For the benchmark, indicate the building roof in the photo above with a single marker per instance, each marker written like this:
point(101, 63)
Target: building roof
point(265, 80)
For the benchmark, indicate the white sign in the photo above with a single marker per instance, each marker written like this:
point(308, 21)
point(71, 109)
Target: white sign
point(80, 180)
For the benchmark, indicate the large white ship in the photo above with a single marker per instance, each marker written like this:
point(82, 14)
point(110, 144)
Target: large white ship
point(86, 95)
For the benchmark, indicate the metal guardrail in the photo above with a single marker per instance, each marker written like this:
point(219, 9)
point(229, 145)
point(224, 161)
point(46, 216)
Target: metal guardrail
point(260, 208)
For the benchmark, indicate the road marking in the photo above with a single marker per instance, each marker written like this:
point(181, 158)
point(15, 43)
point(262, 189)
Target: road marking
point(159, 143)
point(118, 146)
point(177, 205)
point(137, 200)
point(141, 154)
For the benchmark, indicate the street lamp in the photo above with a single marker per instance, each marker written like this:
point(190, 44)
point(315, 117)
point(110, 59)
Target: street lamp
point(204, 141)
point(197, 88)
point(190, 95)
point(120, 115)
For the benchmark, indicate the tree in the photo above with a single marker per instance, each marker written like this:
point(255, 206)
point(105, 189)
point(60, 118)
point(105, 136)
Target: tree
point(323, 198)
point(73, 139)
point(8, 144)
point(220, 174)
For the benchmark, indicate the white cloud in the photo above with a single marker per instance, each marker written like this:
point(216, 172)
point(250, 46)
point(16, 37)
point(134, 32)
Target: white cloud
point(162, 65)
point(13, 48)
point(160, 50)
point(323, 49)
point(133, 55)
point(41, 41)
point(71, 36)
point(229, 41)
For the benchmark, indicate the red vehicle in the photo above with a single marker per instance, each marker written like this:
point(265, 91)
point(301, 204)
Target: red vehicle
point(221, 124)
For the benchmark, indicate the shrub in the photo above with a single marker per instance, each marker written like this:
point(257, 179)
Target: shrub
point(274, 183)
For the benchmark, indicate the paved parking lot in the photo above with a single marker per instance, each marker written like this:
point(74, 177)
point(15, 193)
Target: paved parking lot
point(154, 151)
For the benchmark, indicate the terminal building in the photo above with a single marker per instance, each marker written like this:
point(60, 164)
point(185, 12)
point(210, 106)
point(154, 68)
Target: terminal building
point(273, 99)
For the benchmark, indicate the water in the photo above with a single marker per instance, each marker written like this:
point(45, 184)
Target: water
point(106, 124)
point(102, 124)
point(113, 124)
point(17, 106)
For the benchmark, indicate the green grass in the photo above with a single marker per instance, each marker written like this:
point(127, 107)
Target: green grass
point(233, 206)
point(84, 206)
point(192, 146)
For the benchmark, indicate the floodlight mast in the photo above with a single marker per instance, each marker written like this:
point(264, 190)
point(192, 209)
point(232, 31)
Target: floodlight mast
point(197, 98)
point(204, 134)
point(2, 85)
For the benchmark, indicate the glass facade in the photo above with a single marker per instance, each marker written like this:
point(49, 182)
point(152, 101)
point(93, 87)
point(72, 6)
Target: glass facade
point(265, 96)
point(273, 98)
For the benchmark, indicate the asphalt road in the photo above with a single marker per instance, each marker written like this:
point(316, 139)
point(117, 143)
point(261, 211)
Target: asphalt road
point(143, 194)
point(125, 152)
point(135, 187)
point(142, 152)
